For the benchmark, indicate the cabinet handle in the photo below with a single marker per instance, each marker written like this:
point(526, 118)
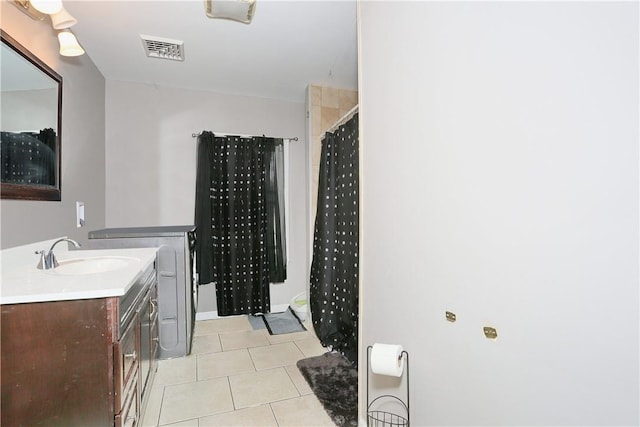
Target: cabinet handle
point(131, 355)
point(154, 307)
point(156, 339)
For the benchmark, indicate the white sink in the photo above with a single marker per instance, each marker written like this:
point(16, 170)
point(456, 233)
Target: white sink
point(80, 266)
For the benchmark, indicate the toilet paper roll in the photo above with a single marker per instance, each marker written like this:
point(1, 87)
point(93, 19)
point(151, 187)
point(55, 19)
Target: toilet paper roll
point(386, 359)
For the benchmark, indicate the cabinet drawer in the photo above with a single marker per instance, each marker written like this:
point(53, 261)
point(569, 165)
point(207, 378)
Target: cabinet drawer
point(126, 360)
point(131, 409)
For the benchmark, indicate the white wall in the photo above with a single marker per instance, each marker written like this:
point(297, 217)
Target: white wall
point(83, 128)
point(151, 160)
point(500, 182)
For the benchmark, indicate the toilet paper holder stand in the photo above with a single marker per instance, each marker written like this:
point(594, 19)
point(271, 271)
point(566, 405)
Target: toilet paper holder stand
point(379, 418)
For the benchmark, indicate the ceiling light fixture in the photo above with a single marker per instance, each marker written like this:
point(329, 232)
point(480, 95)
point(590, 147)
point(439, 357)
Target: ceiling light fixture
point(69, 45)
point(60, 20)
point(28, 8)
point(235, 10)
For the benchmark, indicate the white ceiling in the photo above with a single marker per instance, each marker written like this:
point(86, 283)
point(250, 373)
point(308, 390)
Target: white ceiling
point(289, 45)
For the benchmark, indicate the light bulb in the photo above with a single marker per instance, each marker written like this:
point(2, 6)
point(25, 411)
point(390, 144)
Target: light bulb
point(47, 6)
point(62, 20)
point(69, 45)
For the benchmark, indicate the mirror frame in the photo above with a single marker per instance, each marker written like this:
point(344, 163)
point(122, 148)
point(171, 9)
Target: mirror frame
point(33, 191)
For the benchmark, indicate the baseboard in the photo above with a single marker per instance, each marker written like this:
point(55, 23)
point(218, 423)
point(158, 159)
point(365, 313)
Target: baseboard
point(210, 315)
point(206, 315)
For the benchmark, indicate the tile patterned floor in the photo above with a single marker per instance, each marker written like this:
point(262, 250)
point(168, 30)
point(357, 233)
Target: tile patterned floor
point(236, 376)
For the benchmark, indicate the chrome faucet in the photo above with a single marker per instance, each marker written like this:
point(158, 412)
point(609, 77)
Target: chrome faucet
point(48, 259)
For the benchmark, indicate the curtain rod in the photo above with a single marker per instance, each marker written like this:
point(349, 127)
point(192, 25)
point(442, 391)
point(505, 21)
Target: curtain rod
point(342, 120)
point(195, 135)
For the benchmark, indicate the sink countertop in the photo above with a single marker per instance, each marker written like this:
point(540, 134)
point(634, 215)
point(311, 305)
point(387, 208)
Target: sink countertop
point(25, 283)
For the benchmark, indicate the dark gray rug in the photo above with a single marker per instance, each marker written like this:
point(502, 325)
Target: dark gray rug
point(278, 323)
point(335, 383)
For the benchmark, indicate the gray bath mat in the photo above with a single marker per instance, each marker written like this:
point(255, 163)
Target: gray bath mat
point(257, 322)
point(281, 323)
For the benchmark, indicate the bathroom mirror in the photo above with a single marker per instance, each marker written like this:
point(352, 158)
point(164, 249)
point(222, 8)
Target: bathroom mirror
point(30, 123)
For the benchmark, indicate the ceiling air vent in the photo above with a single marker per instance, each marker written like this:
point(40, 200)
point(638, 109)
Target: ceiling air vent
point(158, 47)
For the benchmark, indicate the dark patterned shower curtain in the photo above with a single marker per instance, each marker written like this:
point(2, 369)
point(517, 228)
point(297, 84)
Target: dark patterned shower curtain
point(31, 157)
point(238, 242)
point(333, 298)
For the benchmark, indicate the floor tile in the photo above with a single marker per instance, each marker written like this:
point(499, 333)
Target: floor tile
point(296, 376)
point(301, 411)
point(242, 339)
point(206, 344)
point(193, 400)
point(224, 324)
point(275, 355)
point(216, 365)
point(257, 416)
point(175, 371)
point(311, 347)
point(257, 388)
point(152, 412)
point(296, 336)
point(237, 376)
point(308, 324)
point(188, 423)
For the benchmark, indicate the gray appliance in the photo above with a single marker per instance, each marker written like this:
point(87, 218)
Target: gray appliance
point(177, 284)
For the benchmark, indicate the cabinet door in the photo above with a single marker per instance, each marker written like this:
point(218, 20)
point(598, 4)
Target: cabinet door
point(127, 360)
point(57, 363)
point(148, 342)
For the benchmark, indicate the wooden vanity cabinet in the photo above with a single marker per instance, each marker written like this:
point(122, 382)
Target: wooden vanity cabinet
point(71, 363)
point(57, 363)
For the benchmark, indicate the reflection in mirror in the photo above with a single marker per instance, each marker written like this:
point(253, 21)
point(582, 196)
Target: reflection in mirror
point(30, 121)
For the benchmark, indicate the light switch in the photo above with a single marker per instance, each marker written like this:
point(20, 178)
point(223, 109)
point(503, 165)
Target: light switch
point(79, 214)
